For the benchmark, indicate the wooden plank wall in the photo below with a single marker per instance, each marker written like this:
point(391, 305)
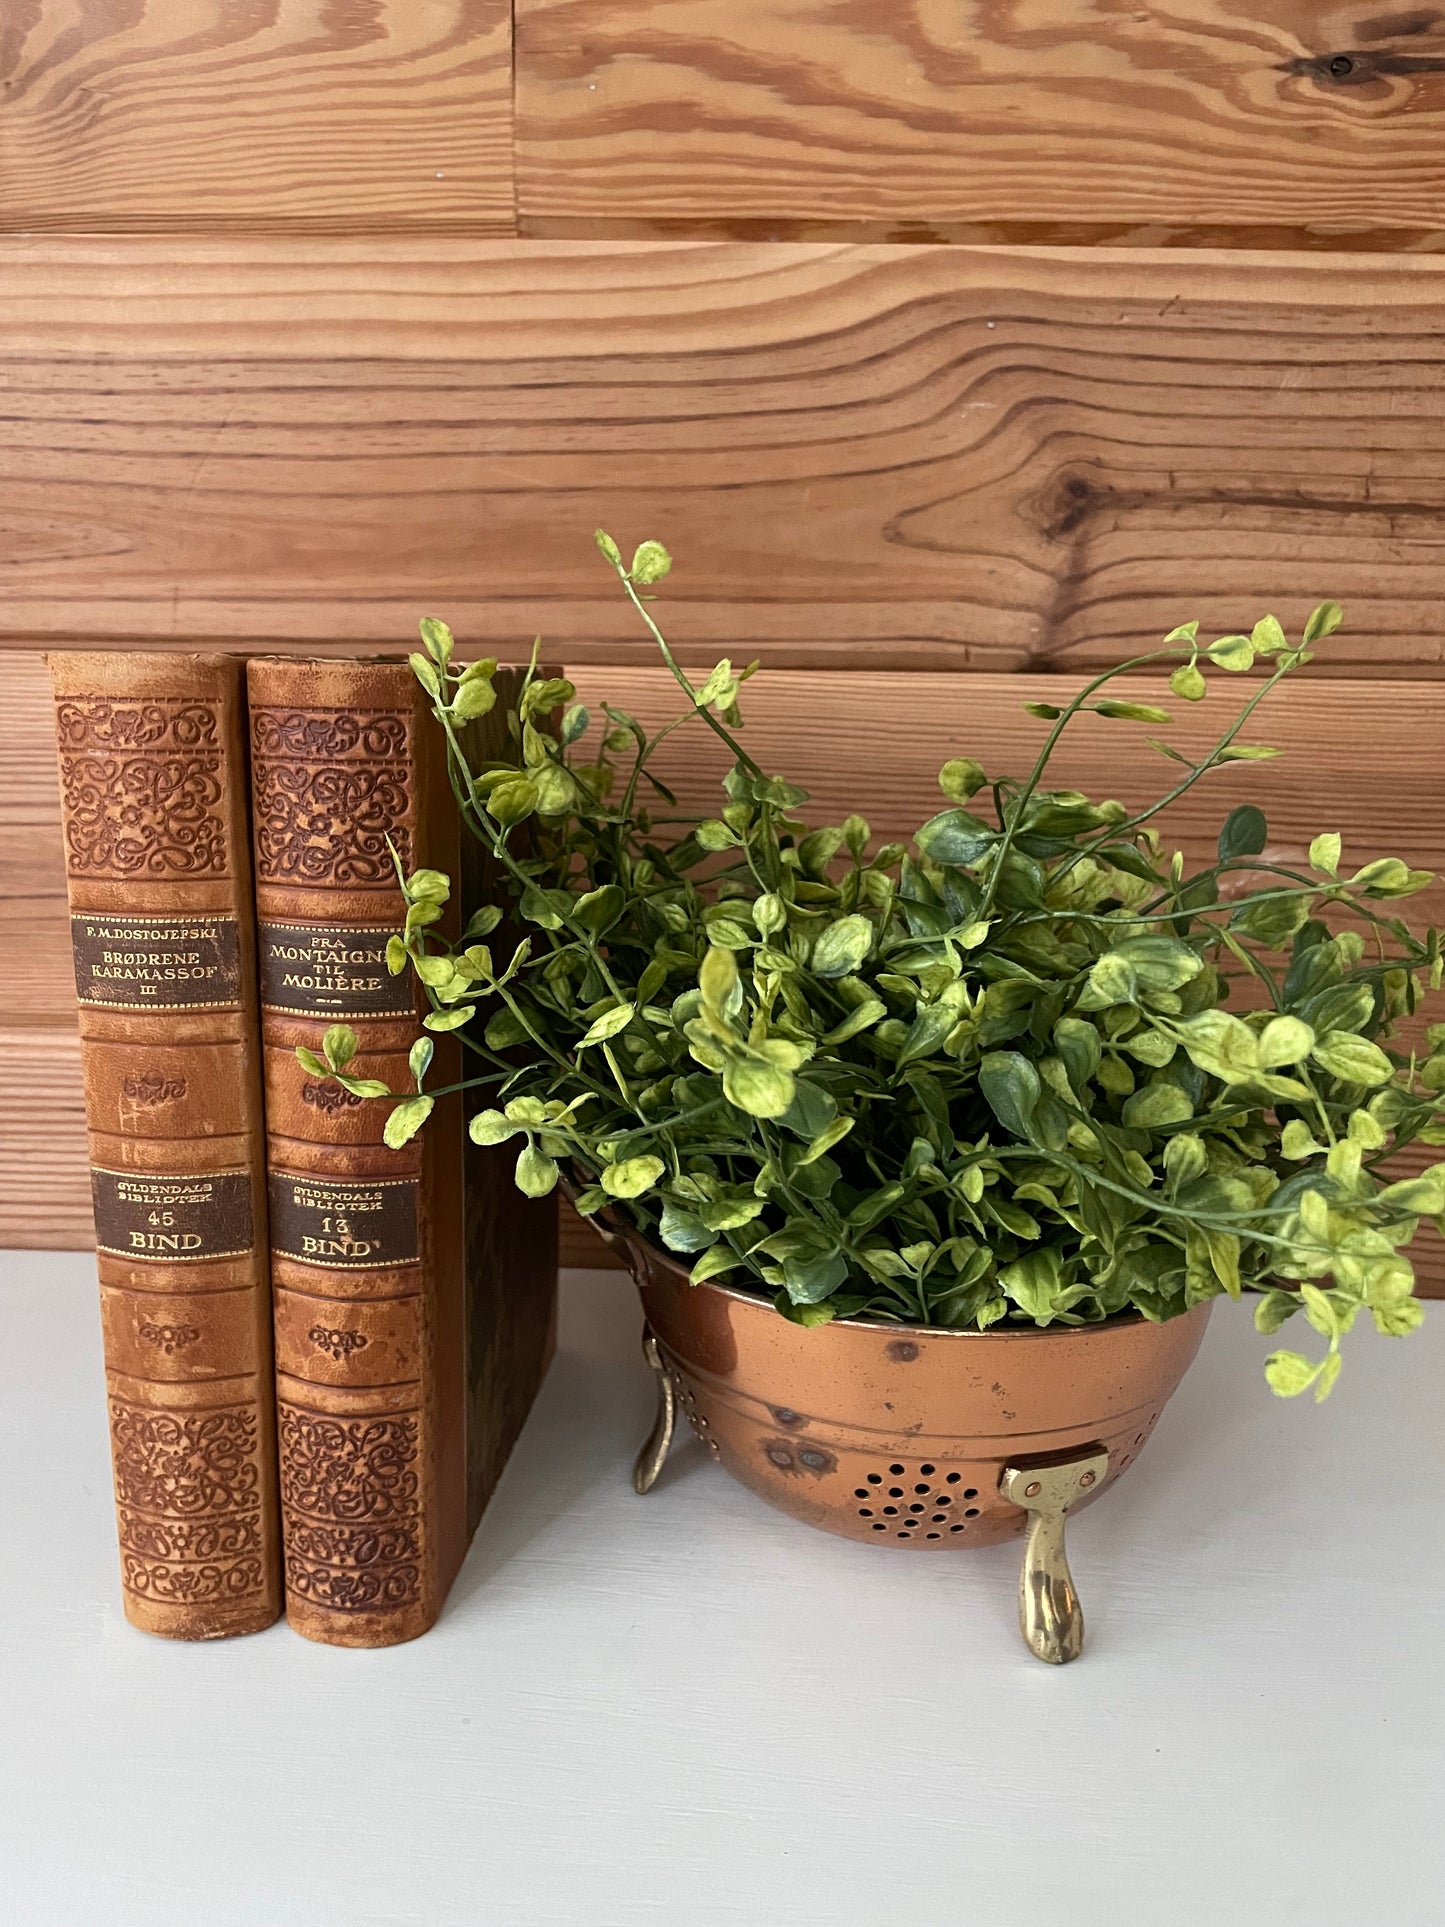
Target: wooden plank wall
point(208, 117)
point(1274, 123)
point(947, 347)
point(866, 455)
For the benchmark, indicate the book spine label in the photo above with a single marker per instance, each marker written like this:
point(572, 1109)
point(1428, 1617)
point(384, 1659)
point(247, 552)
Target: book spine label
point(335, 971)
point(358, 1263)
point(153, 791)
point(191, 1218)
point(345, 1224)
point(156, 963)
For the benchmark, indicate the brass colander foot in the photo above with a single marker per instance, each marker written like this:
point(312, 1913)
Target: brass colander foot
point(1050, 1616)
point(651, 1459)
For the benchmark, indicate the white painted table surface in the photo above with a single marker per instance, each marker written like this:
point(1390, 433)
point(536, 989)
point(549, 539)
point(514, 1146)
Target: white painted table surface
point(689, 1708)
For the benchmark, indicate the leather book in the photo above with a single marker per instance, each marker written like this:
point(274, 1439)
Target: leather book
point(153, 781)
point(414, 1289)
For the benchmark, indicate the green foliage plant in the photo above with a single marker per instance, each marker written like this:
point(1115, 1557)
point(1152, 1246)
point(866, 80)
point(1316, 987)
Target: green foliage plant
point(1029, 1068)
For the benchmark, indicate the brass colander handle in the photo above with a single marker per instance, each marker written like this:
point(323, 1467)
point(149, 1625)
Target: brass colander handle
point(1050, 1616)
point(652, 1457)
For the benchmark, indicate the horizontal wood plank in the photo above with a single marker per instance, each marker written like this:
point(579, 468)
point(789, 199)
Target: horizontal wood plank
point(201, 116)
point(1360, 757)
point(1210, 121)
point(872, 456)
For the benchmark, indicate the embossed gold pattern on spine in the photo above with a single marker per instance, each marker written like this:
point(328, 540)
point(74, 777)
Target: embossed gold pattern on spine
point(388, 1342)
point(153, 793)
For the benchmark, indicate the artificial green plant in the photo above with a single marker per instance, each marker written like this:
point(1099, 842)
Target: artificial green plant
point(1029, 1067)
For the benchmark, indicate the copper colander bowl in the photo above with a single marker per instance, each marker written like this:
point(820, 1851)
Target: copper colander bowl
point(902, 1435)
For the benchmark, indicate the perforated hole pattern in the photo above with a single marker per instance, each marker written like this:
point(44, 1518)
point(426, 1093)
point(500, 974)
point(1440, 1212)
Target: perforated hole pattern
point(700, 1424)
point(907, 1502)
point(916, 1501)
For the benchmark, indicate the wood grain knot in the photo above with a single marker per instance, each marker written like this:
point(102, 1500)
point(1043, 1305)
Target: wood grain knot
point(1360, 67)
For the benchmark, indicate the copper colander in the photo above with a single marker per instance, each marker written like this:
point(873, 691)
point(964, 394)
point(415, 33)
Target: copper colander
point(906, 1436)
point(899, 1436)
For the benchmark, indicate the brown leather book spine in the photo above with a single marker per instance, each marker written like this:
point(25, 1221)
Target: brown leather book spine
point(375, 1326)
point(153, 793)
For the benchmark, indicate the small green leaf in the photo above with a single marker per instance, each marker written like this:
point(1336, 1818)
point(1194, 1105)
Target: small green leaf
point(395, 956)
point(309, 1061)
point(1284, 1040)
point(438, 639)
point(717, 980)
point(809, 1316)
point(338, 1046)
point(1047, 712)
point(650, 563)
point(608, 1025)
point(1245, 833)
point(824, 1141)
point(718, 684)
point(1220, 1043)
point(419, 1058)
point(862, 1017)
point(1366, 1131)
point(364, 1086)
point(542, 696)
point(608, 547)
point(473, 699)
point(1328, 1373)
point(1268, 637)
point(1398, 1320)
point(758, 1087)
point(961, 777)
point(536, 1173)
point(1324, 620)
point(770, 913)
point(1354, 1060)
point(1168, 749)
point(841, 948)
point(712, 1263)
point(435, 972)
point(428, 886)
point(1234, 653)
point(1157, 963)
point(955, 837)
point(1011, 1085)
point(1156, 1106)
point(1296, 1140)
point(1423, 1195)
point(632, 1177)
point(1273, 1310)
point(1185, 1158)
point(490, 1127)
point(1290, 1373)
point(1188, 683)
point(1325, 853)
point(855, 835)
point(683, 1230)
point(511, 802)
point(1133, 712)
point(1323, 1310)
point(406, 1120)
point(1389, 877)
point(454, 1019)
point(483, 922)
